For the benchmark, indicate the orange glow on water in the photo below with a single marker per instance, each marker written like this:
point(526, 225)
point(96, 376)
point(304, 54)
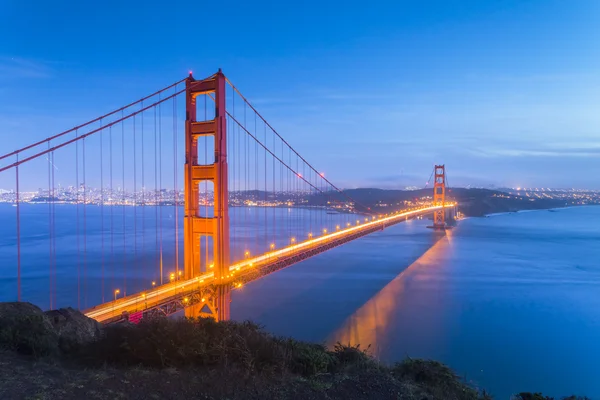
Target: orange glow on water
point(370, 324)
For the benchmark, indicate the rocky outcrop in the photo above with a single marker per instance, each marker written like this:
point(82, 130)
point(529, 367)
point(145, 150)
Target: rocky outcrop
point(26, 329)
point(73, 328)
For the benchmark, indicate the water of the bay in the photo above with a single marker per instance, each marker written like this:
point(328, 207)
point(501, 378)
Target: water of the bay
point(510, 301)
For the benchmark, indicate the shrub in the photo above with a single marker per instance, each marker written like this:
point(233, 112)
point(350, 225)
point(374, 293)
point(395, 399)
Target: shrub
point(436, 378)
point(25, 329)
point(162, 342)
point(353, 358)
point(306, 358)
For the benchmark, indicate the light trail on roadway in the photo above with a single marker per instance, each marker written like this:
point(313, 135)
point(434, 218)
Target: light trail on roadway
point(154, 297)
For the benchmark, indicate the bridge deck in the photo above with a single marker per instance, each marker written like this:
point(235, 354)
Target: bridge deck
point(174, 296)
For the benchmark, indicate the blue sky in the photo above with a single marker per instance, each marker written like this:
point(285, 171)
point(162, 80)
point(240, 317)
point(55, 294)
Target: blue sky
point(373, 93)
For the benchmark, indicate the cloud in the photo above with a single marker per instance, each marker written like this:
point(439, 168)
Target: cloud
point(547, 150)
point(18, 68)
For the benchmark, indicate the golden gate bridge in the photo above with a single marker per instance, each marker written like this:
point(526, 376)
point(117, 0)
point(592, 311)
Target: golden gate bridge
point(252, 205)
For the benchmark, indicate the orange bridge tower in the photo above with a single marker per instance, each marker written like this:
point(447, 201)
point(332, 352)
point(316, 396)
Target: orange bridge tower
point(439, 196)
point(195, 226)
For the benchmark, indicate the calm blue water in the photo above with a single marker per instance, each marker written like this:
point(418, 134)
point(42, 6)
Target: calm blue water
point(100, 249)
point(510, 301)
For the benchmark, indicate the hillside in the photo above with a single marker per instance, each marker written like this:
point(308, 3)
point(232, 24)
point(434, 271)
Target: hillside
point(62, 354)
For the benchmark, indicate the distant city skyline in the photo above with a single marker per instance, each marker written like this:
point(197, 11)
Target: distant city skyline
point(503, 93)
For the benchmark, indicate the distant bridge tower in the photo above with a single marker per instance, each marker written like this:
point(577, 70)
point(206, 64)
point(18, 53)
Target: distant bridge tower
point(439, 197)
point(217, 226)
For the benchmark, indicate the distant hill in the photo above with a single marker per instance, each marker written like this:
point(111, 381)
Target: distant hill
point(472, 202)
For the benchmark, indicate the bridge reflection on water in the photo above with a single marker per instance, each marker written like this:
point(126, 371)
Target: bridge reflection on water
point(371, 324)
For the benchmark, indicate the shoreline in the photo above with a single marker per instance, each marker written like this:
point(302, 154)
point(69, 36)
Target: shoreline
point(534, 210)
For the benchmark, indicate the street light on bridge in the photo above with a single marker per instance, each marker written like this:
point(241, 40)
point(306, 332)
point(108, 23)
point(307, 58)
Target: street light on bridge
point(116, 293)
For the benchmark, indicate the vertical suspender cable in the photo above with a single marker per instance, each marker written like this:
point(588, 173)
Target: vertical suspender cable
point(290, 196)
point(256, 180)
point(297, 202)
point(53, 232)
point(274, 191)
point(143, 193)
point(156, 204)
point(135, 253)
point(49, 236)
point(175, 183)
point(112, 206)
point(123, 205)
point(265, 188)
point(77, 222)
point(231, 159)
point(85, 292)
point(160, 187)
point(246, 170)
point(102, 204)
point(281, 183)
point(18, 230)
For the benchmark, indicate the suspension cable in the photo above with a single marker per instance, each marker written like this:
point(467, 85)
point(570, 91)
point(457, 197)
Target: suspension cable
point(275, 132)
point(81, 137)
point(88, 123)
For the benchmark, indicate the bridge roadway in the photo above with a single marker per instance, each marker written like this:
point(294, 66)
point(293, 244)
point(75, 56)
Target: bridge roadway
point(174, 296)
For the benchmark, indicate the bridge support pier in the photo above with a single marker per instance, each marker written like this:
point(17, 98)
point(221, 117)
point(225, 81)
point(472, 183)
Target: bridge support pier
point(195, 225)
point(223, 302)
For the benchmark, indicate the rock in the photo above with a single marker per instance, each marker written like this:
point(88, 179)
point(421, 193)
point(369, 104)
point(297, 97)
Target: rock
point(73, 328)
point(26, 329)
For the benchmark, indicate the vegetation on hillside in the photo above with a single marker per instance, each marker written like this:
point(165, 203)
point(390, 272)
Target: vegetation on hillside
point(199, 358)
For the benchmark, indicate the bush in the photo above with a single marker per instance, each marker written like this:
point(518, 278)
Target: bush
point(353, 358)
point(436, 378)
point(162, 342)
point(307, 358)
point(25, 329)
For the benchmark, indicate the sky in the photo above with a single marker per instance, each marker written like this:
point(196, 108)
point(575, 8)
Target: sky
point(504, 93)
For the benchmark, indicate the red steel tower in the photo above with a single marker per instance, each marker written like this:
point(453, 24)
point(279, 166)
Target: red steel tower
point(217, 226)
point(439, 196)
